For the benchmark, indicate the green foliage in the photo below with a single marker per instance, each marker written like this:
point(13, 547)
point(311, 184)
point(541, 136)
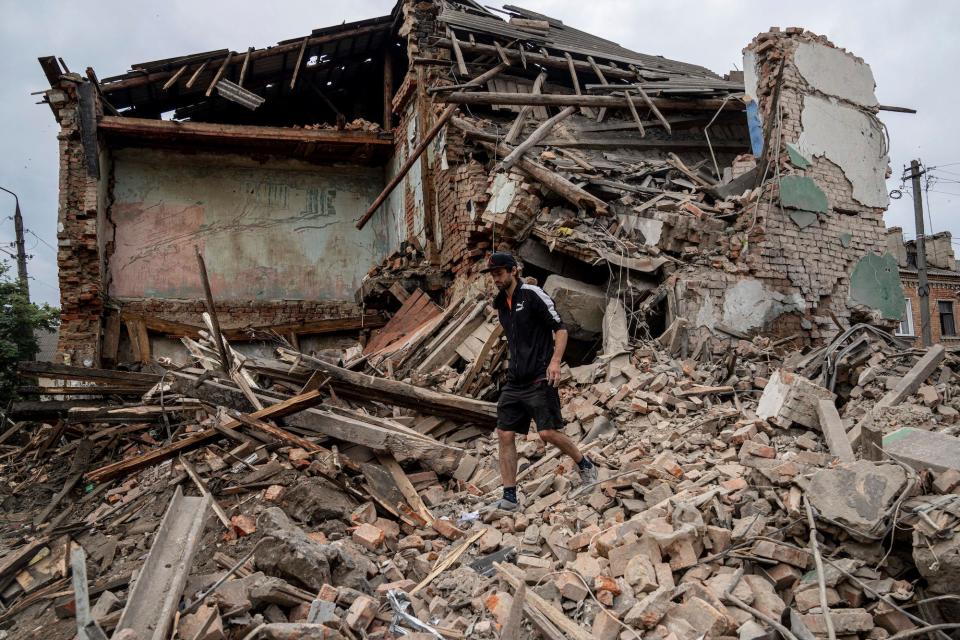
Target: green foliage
point(19, 319)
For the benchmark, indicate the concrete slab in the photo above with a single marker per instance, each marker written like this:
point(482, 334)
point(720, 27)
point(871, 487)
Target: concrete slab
point(154, 596)
point(924, 449)
point(581, 305)
point(857, 495)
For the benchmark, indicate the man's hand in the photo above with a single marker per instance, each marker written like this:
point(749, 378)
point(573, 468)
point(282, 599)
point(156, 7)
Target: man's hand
point(553, 373)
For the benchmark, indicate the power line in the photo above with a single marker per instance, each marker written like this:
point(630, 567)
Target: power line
point(31, 232)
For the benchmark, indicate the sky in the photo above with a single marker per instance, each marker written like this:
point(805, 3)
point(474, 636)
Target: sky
point(913, 53)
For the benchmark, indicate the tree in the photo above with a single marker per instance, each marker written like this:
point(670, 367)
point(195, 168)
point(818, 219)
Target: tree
point(19, 320)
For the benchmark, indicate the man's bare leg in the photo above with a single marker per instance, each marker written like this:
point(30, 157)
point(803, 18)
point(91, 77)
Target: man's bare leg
point(508, 457)
point(585, 467)
point(563, 442)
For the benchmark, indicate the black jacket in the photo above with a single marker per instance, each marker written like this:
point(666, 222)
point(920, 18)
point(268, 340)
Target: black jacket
point(528, 322)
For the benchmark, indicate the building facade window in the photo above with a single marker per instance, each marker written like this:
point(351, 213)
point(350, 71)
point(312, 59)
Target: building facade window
point(906, 323)
point(947, 325)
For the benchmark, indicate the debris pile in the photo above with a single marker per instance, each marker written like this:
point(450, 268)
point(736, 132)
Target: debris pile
point(295, 497)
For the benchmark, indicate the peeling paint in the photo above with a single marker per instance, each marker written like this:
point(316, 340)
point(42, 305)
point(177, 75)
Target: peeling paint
point(796, 158)
point(801, 192)
point(749, 305)
point(851, 139)
point(750, 74)
point(802, 219)
point(503, 191)
point(836, 73)
point(268, 232)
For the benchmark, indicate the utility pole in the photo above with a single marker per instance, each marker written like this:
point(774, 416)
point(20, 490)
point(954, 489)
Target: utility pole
point(923, 290)
point(21, 249)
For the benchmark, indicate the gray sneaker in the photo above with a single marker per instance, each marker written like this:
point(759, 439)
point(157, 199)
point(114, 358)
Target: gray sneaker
point(588, 475)
point(504, 505)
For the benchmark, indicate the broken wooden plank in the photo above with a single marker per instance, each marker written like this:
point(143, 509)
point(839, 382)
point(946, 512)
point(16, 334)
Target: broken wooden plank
point(297, 65)
point(286, 407)
point(244, 66)
point(406, 487)
point(225, 360)
point(150, 458)
point(218, 74)
point(636, 116)
point(833, 431)
point(539, 134)
point(276, 432)
point(452, 557)
point(538, 604)
point(457, 53)
point(653, 107)
point(193, 78)
point(511, 628)
point(445, 353)
point(173, 79)
point(549, 179)
point(83, 374)
point(360, 385)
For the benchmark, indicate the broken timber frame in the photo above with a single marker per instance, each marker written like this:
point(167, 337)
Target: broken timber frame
point(569, 100)
point(428, 137)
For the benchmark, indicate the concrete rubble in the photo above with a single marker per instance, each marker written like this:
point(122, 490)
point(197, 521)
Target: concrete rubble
point(772, 460)
point(697, 527)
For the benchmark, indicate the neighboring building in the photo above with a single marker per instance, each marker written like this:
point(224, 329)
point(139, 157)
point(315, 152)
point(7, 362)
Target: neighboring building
point(943, 279)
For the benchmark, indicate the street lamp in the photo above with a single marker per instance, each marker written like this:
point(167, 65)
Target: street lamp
point(21, 250)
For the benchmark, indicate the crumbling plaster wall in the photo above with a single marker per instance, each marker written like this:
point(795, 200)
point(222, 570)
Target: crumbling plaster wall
point(820, 208)
point(278, 230)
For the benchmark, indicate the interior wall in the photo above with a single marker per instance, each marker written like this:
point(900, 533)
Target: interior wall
point(269, 230)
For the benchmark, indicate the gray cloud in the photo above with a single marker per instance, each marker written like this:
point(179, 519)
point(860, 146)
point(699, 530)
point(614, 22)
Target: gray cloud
point(911, 53)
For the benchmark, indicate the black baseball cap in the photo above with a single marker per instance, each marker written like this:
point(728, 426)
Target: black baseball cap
point(499, 259)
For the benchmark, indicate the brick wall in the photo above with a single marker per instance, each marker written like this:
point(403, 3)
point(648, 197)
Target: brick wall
point(809, 264)
point(78, 257)
point(941, 289)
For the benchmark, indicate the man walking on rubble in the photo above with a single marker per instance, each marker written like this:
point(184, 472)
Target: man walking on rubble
point(537, 339)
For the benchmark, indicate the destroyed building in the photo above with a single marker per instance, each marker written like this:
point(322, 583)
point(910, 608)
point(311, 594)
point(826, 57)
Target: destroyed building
point(626, 172)
point(270, 414)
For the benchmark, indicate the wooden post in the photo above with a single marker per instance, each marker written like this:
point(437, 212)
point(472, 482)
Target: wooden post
point(388, 90)
point(173, 79)
point(196, 74)
point(218, 338)
point(243, 69)
point(296, 68)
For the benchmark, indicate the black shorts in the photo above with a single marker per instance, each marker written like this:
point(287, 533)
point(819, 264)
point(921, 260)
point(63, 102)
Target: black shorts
point(517, 405)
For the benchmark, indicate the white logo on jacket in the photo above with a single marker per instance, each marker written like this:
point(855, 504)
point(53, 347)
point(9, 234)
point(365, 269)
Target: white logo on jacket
point(519, 306)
